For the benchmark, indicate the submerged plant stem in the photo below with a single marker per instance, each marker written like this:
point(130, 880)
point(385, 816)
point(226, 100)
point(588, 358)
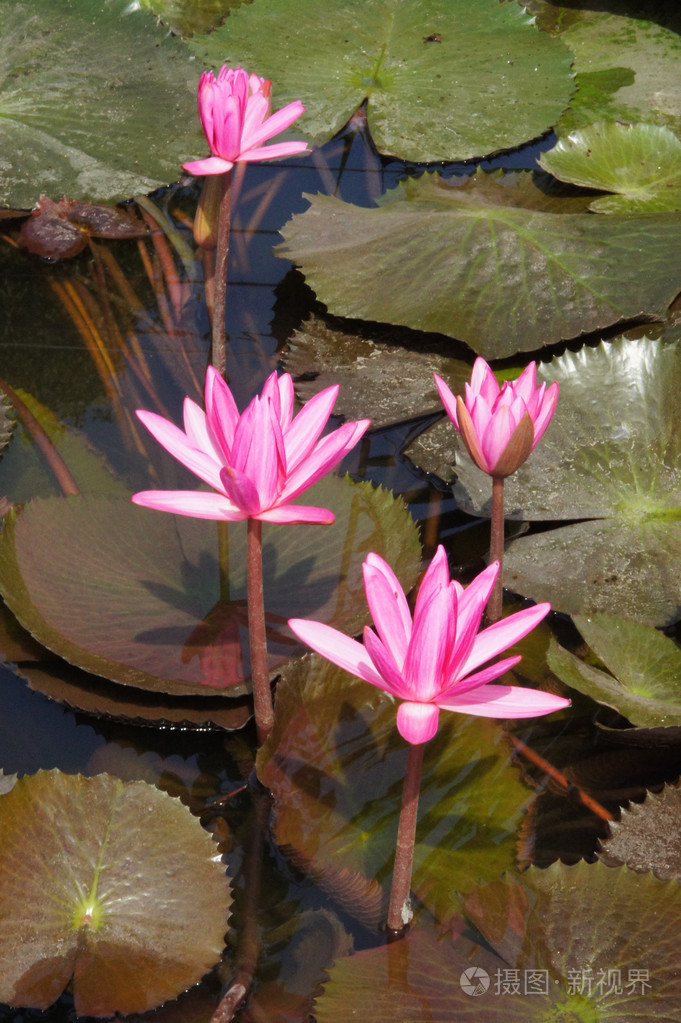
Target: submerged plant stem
point(219, 354)
point(496, 548)
point(399, 912)
point(262, 694)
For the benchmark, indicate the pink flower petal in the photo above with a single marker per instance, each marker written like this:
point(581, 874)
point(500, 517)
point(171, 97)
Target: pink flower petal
point(293, 513)
point(197, 503)
point(384, 663)
point(176, 443)
point(388, 606)
point(306, 429)
point(503, 634)
point(431, 639)
point(506, 702)
point(480, 678)
point(329, 451)
point(338, 648)
point(447, 399)
point(222, 413)
point(277, 123)
point(271, 152)
point(435, 578)
point(210, 165)
point(417, 722)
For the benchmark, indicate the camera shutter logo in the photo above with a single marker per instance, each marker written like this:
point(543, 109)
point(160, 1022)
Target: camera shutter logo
point(474, 981)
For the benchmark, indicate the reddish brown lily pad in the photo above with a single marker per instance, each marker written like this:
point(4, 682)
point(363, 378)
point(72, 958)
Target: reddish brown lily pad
point(114, 886)
point(56, 230)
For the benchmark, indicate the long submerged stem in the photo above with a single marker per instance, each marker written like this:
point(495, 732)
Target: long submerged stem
point(496, 547)
point(219, 353)
point(262, 693)
point(399, 912)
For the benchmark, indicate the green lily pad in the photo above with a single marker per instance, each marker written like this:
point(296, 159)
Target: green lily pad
point(463, 260)
point(600, 946)
point(134, 595)
point(335, 763)
point(641, 163)
point(647, 836)
point(185, 17)
point(113, 885)
point(445, 79)
point(98, 101)
point(644, 680)
point(627, 68)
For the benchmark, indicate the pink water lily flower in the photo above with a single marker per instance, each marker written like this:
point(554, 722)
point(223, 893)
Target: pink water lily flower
point(257, 462)
point(433, 662)
point(500, 426)
point(235, 113)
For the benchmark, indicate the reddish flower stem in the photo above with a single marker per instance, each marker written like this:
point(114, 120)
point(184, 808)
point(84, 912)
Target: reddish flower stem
point(399, 912)
point(262, 693)
point(496, 548)
point(219, 353)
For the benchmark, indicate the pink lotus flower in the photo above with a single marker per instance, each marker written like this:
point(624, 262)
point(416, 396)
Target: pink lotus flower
point(235, 113)
point(256, 462)
point(500, 426)
point(431, 662)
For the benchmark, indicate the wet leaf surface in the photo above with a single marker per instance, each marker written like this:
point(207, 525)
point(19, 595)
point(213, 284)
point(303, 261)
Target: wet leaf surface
point(418, 64)
point(641, 163)
point(462, 260)
point(73, 70)
point(643, 681)
point(135, 596)
point(114, 885)
point(587, 943)
point(646, 838)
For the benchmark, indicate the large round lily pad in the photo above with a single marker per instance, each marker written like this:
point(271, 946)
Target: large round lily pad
point(114, 885)
point(480, 262)
point(97, 101)
point(445, 79)
point(136, 596)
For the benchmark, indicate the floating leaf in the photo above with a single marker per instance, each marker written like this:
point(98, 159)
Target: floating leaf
point(185, 17)
point(641, 163)
point(647, 836)
point(627, 68)
point(463, 260)
point(114, 885)
point(365, 363)
point(135, 596)
point(98, 101)
point(445, 79)
point(600, 946)
point(644, 684)
point(64, 683)
point(335, 764)
point(56, 230)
